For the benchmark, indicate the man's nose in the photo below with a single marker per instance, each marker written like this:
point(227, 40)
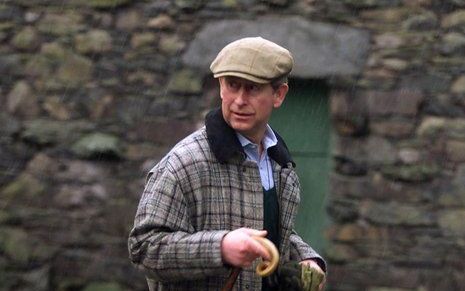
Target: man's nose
point(241, 98)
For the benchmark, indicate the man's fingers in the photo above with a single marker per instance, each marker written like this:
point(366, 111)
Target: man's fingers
point(254, 232)
point(258, 249)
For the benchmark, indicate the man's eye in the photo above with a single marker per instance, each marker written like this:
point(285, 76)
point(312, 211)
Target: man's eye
point(254, 88)
point(233, 85)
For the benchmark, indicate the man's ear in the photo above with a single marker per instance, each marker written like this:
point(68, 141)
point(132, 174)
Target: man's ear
point(220, 85)
point(279, 95)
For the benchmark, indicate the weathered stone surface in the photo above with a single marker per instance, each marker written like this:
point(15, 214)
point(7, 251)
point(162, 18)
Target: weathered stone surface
point(458, 87)
point(54, 50)
point(430, 126)
point(393, 128)
point(94, 41)
point(171, 45)
point(451, 221)
point(370, 3)
point(162, 22)
point(349, 114)
point(56, 108)
point(107, 4)
point(380, 151)
point(154, 130)
point(144, 151)
point(81, 171)
point(321, 58)
point(25, 188)
point(74, 71)
point(453, 43)
point(431, 82)
point(395, 64)
point(101, 107)
point(70, 196)
point(456, 151)
point(343, 210)
point(8, 125)
point(424, 21)
point(185, 81)
point(350, 187)
point(411, 173)
point(98, 145)
point(455, 128)
point(388, 289)
point(454, 194)
point(410, 155)
point(459, 3)
point(340, 253)
point(189, 4)
point(103, 286)
point(403, 102)
point(58, 68)
point(21, 248)
point(131, 109)
point(392, 213)
point(351, 125)
point(11, 64)
point(347, 232)
point(46, 132)
point(454, 19)
point(38, 279)
point(129, 20)
point(22, 101)
point(388, 40)
point(388, 15)
point(277, 2)
point(42, 165)
point(61, 24)
point(382, 187)
point(143, 39)
point(26, 39)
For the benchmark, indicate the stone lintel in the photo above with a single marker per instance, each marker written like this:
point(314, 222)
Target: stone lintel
point(320, 50)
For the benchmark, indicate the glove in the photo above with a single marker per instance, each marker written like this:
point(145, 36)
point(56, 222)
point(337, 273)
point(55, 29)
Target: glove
point(292, 276)
point(310, 278)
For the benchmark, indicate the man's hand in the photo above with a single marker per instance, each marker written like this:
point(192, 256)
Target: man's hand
point(315, 266)
point(239, 249)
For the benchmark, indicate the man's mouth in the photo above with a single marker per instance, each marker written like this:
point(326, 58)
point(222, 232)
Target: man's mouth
point(240, 114)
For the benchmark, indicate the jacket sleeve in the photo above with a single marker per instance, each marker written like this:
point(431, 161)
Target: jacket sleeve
point(163, 242)
point(302, 251)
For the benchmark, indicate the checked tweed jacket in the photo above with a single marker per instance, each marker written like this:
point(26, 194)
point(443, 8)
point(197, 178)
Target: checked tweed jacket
point(200, 190)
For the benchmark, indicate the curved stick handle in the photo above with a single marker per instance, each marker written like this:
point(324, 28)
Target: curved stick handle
point(266, 268)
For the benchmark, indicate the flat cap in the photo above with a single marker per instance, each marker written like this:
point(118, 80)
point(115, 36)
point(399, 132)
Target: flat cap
point(253, 58)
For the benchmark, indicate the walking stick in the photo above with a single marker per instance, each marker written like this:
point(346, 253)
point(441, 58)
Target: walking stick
point(264, 268)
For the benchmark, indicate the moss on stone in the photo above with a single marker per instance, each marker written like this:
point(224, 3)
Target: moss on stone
point(26, 39)
point(185, 81)
point(14, 243)
point(25, 187)
point(98, 145)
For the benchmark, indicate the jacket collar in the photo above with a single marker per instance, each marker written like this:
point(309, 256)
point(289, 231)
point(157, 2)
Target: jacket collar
point(225, 145)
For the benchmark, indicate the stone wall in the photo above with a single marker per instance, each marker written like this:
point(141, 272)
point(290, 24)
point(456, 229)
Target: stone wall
point(94, 92)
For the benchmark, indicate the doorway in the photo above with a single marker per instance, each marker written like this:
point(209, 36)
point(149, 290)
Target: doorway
point(303, 122)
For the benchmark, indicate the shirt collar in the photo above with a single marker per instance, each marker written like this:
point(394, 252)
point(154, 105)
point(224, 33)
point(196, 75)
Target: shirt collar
point(225, 144)
point(268, 141)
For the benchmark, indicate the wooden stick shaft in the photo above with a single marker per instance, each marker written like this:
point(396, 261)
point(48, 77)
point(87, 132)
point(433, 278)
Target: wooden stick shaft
point(231, 279)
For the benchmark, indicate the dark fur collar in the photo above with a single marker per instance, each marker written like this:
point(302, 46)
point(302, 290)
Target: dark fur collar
point(225, 145)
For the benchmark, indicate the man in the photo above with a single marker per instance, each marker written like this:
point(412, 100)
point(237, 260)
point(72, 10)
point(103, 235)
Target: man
point(231, 180)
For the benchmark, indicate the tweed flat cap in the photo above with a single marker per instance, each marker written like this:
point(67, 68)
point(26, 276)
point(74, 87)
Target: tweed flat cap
point(253, 58)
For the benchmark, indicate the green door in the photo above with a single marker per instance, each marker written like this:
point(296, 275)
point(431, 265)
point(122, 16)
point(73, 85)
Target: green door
point(303, 122)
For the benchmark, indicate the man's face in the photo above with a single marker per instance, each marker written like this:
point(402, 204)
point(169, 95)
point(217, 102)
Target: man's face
point(247, 106)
